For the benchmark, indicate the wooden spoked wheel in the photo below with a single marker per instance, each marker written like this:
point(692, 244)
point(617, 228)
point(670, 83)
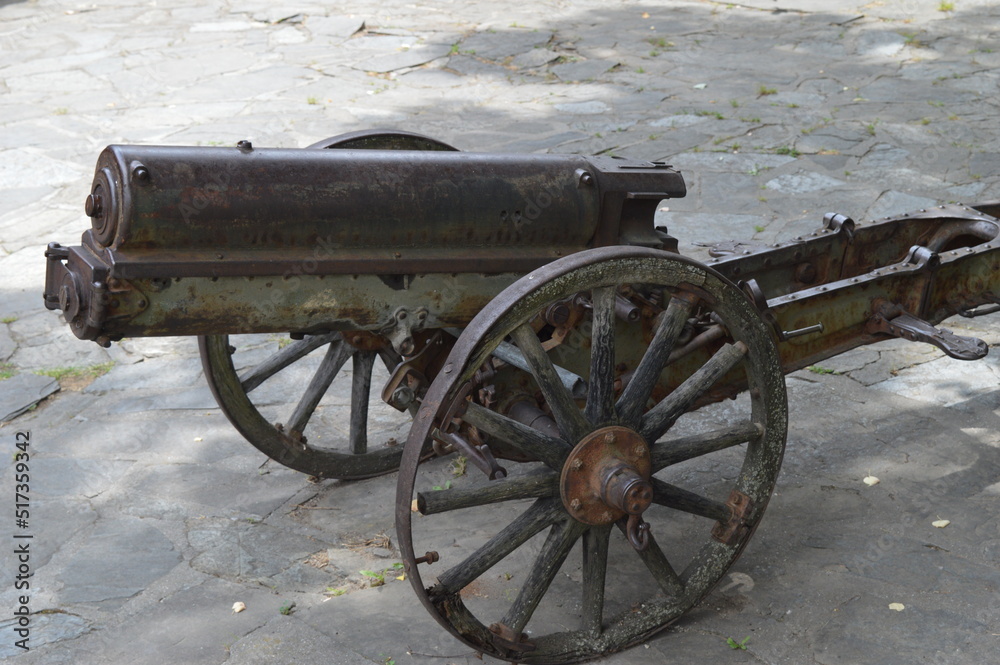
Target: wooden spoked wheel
point(276, 424)
point(307, 368)
point(551, 561)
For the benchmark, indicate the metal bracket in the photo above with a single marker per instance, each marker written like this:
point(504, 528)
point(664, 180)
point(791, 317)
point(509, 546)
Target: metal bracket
point(400, 330)
point(505, 638)
point(759, 300)
point(480, 455)
point(837, 223)
point(408, 381)
point(892, 319)
point(732, 531)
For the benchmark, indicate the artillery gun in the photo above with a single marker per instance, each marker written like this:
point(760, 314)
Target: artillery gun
point(530, 318)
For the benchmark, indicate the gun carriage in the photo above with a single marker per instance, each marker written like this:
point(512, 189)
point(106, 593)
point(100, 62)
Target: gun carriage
point(532, 319)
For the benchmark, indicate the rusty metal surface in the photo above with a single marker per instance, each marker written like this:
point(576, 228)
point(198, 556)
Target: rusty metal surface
point(606, 476)
point(187, 230)
point(931, 264)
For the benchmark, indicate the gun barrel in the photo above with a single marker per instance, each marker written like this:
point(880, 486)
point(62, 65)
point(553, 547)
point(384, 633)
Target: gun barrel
point(179, 234)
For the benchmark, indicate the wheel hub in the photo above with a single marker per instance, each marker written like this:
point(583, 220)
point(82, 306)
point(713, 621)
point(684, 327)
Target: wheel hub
point(606, 476)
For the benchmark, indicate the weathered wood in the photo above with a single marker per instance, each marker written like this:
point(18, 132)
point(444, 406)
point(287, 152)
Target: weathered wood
point(600, 407)
point(336, 356)
point(662, 416)
point(665, 593)
point(595, 568)
point(667, 453)
point(361, 388)
point(568, 416)
point(541, 514)
point(317, 457)
point(671, 496)
point(533, 486)
point(633, 399)
point(659, 567)
point(557, 546)
point(283, 358)
point(550, 451)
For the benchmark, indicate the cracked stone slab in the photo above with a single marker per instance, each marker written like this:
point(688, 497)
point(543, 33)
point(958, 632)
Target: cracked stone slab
point(7, 345)
point(583, 70)
point(241, 550)
point(503, 43)
point(410, 57)
point(945, 381)
point(898, 203)
point(700, 230)
point(149, 374)
point(288, 639)
point(340, 27)
point(85, 478)
point(802, 183)
point(536, 57)
point(583, 108)
point(98, 574)
point(198, 399)
point(674, 121)
point(23, 391)
point(45, 629)
point(191, 624)
point(54, 522)
point(350, 618)
point(729, 162)
point(174, 491)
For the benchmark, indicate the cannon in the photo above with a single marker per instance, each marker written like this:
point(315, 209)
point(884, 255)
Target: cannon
point(621, 407)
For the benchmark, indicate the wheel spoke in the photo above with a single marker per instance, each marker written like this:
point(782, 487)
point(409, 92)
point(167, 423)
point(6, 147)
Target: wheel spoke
point(601, 396)
point(389, 357)
point(595, 568)
point(532, 486)
point(557, 546)
point(541, 514)
point(633, 399)
point(659, 567)
point(361, 387)
point(671, 496)
point(335, 358)
point(662, 416)
point(568, 416)
point(668, 453)
point(283, 358)
point(550, 451)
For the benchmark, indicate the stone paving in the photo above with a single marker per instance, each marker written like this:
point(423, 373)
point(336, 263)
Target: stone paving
point(151, 516)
